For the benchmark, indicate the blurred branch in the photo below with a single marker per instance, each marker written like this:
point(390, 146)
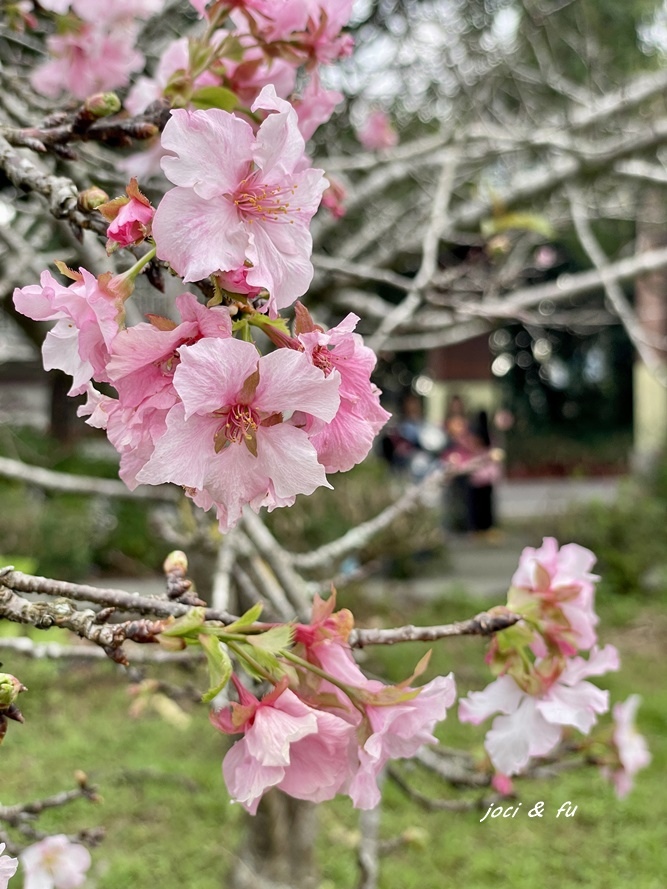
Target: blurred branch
point(354, 539)
point(640, 339)
point(61, 193)
point(82, 484)
point(429, 262)
point(56, 651)
point(81, 126)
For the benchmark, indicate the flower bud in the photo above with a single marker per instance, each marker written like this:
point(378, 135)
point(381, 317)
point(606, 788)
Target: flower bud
point(102, 104)
point(176, 561)
point(92, 198)
point(10, 688)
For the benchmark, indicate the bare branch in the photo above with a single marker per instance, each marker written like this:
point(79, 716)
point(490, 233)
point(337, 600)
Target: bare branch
point(621, 306)
point(484, 624)
point(82, 484)
point(356, 538)
point(56, 651)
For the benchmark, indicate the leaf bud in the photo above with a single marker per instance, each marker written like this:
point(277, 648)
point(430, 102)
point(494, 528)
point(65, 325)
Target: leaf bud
point(10, 688)
point(102, 105)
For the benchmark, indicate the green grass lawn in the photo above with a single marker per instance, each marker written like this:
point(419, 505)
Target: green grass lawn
point(169, 821)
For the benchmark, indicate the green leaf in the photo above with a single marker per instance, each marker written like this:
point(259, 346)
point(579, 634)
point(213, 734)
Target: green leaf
point(219, 666)
point(251, 616)
point(532, 222)
point(214, 97)
point(186, 625)
point(264, 659)
point(274, 640)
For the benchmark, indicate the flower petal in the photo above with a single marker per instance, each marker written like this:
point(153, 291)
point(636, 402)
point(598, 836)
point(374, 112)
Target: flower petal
point(198, 237)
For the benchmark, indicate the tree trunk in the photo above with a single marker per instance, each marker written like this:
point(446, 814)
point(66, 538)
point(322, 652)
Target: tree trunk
point(278, 850)
point(650, 397)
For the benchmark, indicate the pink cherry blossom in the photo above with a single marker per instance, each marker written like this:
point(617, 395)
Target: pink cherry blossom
point(397, 732)
point(348, 438)
point(286, 744)
point(8, 867)
point(142, 365)
point(561, 580)
point(241, 198)
point(312, 27)
point(230, 437)
point(247, 77)
point(55, 863)
point(323, 642)
point(377, 132)
point(315, 106)
point(88, 61)
point(632, 750)
point(131, 224)
point(502, 784)
point(333, 199)
point(145, 356)
point(531, 725)
point(88, 314)
point(129, 216)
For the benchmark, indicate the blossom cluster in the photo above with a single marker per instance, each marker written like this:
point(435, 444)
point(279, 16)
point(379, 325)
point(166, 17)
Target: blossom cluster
point(196, 404)
point(333, 730)
point(542, 685)
point(52, 863)
point(93, 50)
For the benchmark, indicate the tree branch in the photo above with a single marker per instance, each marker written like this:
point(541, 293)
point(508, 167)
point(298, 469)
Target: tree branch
point(484, 624)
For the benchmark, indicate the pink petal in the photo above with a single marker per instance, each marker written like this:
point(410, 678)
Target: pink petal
point(270, 738)
point(513, 739)
point(198, 237)
point(212, 372)
point(247, 779)
point(289, 382)
point(184, 453)
point(503, 695)
point(212, 148)
point(575, 706)
point(279, 145)
point(280, 255)
point(290, 462)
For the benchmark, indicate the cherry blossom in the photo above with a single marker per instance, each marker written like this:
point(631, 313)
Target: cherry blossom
point(230, 437)
point(88, 313)
point(286, 744)
point(631, 748)
point(531, 724)
point(348, 438)
point(315, 106)
point(241, 198)
point(377, 132)
point(311, 26)
point(551, 583)
point(130, 217)
point(55, 863)
point(334, 197)
point(8, 867)
point(87, 61)
point(397, 732)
